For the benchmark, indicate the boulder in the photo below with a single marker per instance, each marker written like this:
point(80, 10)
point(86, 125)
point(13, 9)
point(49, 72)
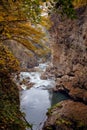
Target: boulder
point(67, 115)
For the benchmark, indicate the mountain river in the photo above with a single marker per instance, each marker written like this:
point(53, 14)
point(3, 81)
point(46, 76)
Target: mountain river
point(34, 102)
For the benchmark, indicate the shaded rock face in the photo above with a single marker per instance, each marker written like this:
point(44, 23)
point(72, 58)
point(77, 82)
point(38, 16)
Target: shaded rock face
point(70, 42)
point(69, 50)
point(69, 59)
point(27, 58)
point(67, 115)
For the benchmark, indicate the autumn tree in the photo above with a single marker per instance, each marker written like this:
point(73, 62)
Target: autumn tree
point(18, 21)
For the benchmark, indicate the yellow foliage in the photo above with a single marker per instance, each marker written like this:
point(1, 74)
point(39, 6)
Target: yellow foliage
point(1, 18)
point(17, 26)
point(46, 22)
point(8, 63)
point(78, 3)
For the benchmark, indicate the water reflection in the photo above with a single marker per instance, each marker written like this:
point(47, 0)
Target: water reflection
point(57, 97)
point(36, 101)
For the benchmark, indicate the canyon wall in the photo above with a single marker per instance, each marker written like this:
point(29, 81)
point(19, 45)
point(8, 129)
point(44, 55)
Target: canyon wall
point(26, 57)
point(69, 57)
point(70, 51)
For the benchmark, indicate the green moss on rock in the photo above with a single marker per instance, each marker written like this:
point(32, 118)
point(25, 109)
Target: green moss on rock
point(56, 106)
point(11, 117)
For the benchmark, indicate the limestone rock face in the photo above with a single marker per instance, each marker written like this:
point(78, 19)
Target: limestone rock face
point(70, 42)
point(69, 50)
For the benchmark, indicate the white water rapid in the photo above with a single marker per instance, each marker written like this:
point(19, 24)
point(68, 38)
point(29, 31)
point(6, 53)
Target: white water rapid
point(36, 100)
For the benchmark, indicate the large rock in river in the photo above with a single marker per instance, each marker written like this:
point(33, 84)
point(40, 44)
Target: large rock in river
point(67, 115)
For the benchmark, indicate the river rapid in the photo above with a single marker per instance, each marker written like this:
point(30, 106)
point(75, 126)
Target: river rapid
point(34, 102)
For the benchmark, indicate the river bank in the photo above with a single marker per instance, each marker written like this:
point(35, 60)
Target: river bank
point(36, 101)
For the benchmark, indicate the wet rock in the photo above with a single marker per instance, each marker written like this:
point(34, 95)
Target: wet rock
point(49, 73)
point(67, 115)
point(72, 74)
point(44, 76)
point(74, 86)
point(79, 94)
point(55, 89)
point(24, 86)
point(58, 75)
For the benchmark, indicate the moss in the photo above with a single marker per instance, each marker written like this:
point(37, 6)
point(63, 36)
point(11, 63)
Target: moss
point(81, 126)
point(49, 128)
point(76, 125)
point(58, 105)
point(11, 117)
point(63, 121)
point(50, 110)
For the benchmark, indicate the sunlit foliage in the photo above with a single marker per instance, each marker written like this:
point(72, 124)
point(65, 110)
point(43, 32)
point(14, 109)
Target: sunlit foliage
point(79, 3)
point(8, 63)
point(18, 21)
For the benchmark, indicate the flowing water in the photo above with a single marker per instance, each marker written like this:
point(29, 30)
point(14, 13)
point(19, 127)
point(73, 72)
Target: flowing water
point(36, 100)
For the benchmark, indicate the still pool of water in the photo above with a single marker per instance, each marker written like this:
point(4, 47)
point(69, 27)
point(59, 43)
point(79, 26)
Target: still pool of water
point(36, 101)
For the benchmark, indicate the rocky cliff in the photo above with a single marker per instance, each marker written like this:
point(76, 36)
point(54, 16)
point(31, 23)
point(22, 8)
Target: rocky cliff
point(26, 57)
point(69, 50)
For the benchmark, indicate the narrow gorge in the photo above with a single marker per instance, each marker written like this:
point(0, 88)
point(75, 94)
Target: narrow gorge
point(43, 65)
point(62, 80)
point(69, 50)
